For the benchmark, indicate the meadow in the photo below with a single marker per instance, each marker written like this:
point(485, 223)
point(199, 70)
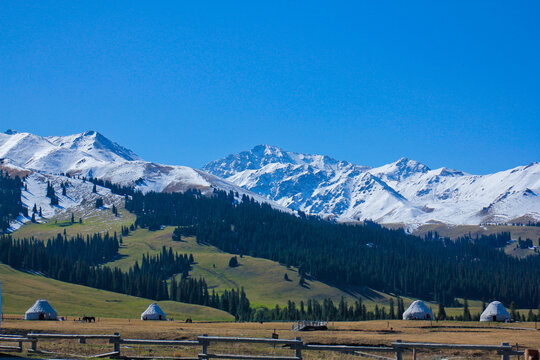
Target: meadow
point(262, 279)
point(20, 290)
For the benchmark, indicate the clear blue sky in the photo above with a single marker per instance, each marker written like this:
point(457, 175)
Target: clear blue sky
point(448, 83)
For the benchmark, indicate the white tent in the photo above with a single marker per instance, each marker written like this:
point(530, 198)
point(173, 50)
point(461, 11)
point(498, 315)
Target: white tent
point(495, 311)
point(418, 311)
point(41, 310)
point(153, 312)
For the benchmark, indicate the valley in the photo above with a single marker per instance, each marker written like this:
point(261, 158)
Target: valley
point(68, 164)
point(263, 280)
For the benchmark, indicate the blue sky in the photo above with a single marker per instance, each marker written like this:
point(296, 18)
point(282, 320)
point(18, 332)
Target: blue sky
point(446, 83)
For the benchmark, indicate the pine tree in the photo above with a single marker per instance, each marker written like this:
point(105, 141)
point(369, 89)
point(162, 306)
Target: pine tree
point(513, 313)
point(286, 277)
point(466, 312)
point(392, 312)
point(94, 189)
point(530, 316)
point(400, 307)
point(72, 218)
point(233, 262)
point(442, 312)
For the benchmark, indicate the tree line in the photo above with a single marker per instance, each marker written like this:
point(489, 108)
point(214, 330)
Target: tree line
point(80, 260)
point(387, 260)
point(10, 200)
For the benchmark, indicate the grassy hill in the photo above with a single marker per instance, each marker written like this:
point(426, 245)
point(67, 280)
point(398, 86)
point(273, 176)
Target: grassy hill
point(263, 280)
point(20, 290)
point(94, 221)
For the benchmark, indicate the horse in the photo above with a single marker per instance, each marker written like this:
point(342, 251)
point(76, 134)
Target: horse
point(88, 319)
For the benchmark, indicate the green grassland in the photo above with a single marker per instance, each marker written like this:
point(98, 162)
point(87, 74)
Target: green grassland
point(20, 290)
point(94, 221)
point(263, 280)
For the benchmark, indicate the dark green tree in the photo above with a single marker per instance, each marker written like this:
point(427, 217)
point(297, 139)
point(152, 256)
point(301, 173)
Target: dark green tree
point(442, 312)
point(466, 312)
point(233, 262)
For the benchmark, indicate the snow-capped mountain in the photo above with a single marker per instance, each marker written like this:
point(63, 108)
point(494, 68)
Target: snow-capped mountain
point(405, 191)
point(91, 154)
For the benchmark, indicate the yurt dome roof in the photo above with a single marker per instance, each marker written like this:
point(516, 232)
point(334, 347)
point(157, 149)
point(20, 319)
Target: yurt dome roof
point(495, 311)
point(418, 311)
point(41, 306)
point(153, 312)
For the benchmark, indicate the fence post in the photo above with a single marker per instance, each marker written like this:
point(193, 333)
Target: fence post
point(204, 343)
point(33, 345)
point(298, 350)
point(116, 342)
point(505, 355)
point(20, 346)
point(399, 356)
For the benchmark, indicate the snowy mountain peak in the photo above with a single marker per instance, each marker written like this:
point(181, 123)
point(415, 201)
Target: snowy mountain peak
point(92, 142)
point(267, 153)
point(405, 191)
point(62, 154)
point(90, 154)
point(274, 157)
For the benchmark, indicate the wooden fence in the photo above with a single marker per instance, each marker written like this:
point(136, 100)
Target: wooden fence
point(296, 346)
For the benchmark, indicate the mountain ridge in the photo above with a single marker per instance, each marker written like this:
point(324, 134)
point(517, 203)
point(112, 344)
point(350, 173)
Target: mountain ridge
point(405, 191)
point(57, 159)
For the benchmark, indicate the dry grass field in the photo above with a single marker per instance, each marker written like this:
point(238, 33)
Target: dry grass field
point(345, 333)
point(454, 231)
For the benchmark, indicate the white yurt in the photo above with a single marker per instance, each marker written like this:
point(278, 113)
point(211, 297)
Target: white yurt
point(153, 312)
point(41, 310)
point(495, 311)
point(418, 311)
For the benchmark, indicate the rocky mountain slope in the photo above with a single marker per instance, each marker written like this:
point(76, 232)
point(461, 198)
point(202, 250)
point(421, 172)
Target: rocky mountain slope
point(90, 154)
point(405, 191)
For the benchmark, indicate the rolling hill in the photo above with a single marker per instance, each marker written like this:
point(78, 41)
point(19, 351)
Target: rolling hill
point(20, 290)
point(262, 279)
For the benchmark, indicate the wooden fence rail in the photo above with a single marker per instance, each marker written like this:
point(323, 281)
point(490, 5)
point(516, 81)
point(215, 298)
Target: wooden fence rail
point(397, 348)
